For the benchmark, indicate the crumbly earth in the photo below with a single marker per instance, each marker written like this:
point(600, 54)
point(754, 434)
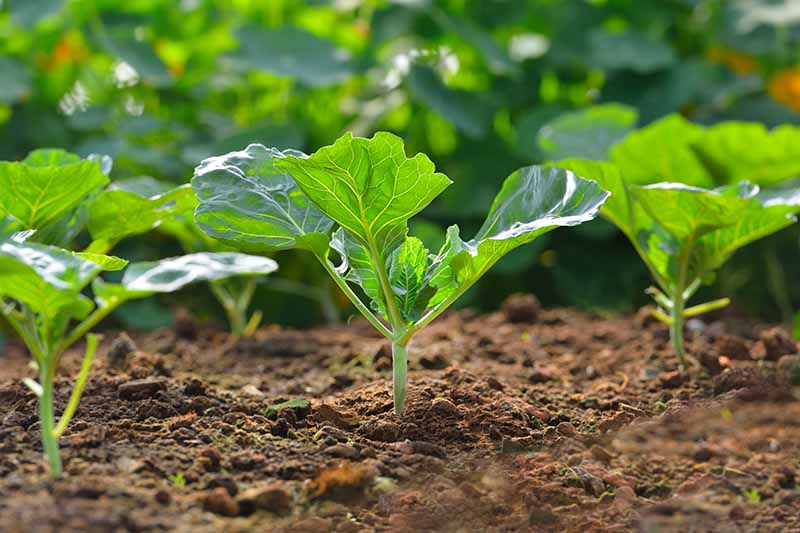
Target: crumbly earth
point(521, 420)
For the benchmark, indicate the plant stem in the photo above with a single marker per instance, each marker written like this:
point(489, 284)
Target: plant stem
point(80, 383)
point(88, 323)
point(342, 284)
point(699, 309)
point(676, 327)
point(399, 376)
point(49, 438)
point(236, 321)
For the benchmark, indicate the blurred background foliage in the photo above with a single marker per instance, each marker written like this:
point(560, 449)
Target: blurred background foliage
point(476, 84)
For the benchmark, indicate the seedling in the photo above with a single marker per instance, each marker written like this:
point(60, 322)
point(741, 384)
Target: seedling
point(354, 198)
point(41, 296)
point(60, 195)
point(685, 234)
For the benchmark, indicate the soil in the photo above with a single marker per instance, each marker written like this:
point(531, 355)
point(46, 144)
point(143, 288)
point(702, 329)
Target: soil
point(527, 419)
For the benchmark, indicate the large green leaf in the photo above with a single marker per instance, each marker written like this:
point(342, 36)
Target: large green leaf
point(46, 186)
point(115, 214)
point(168, 275)
point(368, 186)
point(747, 151)
point(682, 231)
point(247, 201)
point(660, 152)
point(49, 279)
point(587, 133)
point(629, 51)
point(533, 201)
point(468, 111)
point(293, 53)
point(15, 82)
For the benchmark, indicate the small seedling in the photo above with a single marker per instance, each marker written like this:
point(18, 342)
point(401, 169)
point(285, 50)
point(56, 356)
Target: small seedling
point(178, 481)
point(41, 296)
point(684, 234)
point(353, 200)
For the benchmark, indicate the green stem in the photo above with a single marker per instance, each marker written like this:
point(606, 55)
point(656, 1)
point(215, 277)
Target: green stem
point(363, 309)
point(46, 418)
point(699, 309)
point(30, 339)
point(399, 376)
point(676, 327)
point(88, 323)
point(80, 383)
point(236, 321)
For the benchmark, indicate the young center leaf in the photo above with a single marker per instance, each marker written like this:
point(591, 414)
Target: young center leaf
point(370, 188)
point(250, 203)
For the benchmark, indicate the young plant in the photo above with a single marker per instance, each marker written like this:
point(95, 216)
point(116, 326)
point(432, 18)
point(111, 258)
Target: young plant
point(60, 195)
point(354, 198)
point(41, 296)
point(684, 234)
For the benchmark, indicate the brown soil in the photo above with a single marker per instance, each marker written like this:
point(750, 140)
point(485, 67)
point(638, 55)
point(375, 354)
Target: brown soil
point(567, 423)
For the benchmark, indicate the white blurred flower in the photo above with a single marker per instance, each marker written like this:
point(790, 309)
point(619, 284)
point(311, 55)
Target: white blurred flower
point(125, 75)
point(76, 99)
point(132, 106)
point(757, 12)
point(528, 46)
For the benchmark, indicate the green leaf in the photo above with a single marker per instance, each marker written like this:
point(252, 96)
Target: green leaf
point(49, 279)
point(46, 186)
point(685, 233)
point(629, 51)
point(747, 151)
point(588, 133)
point(369, 187)
point(533, 201)
point(247, 201)
point(468, 111)
point(407, 268)
point(660, 152)
point(15, 82)
point(115, 214)
point(357, 267)
point(293, 53)
point(168, 275)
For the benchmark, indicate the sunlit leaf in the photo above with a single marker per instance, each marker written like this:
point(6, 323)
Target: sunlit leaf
point(247, 201)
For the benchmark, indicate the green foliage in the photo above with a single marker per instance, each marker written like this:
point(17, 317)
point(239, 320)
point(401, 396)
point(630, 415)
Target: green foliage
point(684, 233)
point(162, 85)
point(370, 189)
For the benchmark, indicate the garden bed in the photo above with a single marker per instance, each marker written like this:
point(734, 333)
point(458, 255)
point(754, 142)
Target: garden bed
point(524, 419)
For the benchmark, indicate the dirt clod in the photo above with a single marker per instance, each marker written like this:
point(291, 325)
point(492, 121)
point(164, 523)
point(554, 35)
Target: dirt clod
point(272, 497)
point(220, 502)
point(140, 389)
point(120, 349)
point(732, 347)
point(787, 372)
point(774, 343)
point(445, 407)
point(521, 308)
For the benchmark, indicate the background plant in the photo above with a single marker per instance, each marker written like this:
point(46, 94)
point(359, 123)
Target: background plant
point(355, 198)
point(684, 234)
point(42, 296)
point(161, 85)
